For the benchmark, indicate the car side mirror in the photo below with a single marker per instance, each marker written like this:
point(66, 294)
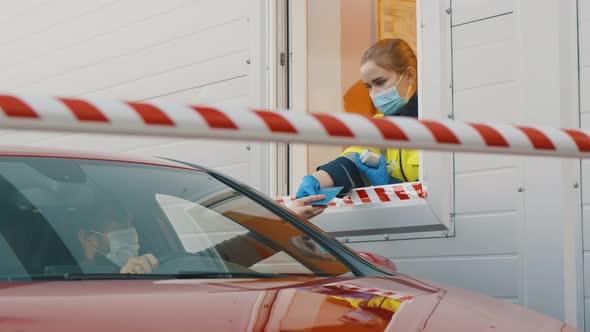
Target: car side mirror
point(378, 260)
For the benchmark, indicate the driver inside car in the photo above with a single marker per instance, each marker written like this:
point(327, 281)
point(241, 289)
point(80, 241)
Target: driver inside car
point(110, 240)
point(110, 244)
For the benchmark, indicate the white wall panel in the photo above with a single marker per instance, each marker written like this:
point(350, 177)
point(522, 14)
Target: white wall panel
point(16, 8)
point(584, 9)
point(214, 93)
point(584, 27)
point(487, 191)
point(121, 14)
point(584, 60)
point(495, 276)
point(489, 103)
point(490, 31)
point(500, 231)
point(584, 88)
point(587, 273)
point(48, 15)
point(199, 75)
point(164, 29)
point(469, 162)
point(173, 55)
point(484, 65)
point(471, 10)
point(193, 51)
point(586, 181)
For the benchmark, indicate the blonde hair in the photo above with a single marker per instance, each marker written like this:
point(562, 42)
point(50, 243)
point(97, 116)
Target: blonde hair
point(392, 54)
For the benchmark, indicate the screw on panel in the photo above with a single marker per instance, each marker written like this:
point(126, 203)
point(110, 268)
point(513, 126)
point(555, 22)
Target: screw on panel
point(248, 147)
point(386, 237)
point(448, 11)
point(576, 185)
point(444, 234)
point(451, 116)
point(346, 239)
point(520, 189)
point(248, 61)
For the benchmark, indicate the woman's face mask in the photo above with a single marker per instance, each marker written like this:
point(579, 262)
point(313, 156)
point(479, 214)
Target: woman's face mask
point(124, 245)
point(389, 101)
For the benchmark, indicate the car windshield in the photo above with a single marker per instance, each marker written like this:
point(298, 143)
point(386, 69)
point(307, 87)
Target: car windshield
point(74, 218)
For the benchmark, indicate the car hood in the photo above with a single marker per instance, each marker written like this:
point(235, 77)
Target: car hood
point(302, 304)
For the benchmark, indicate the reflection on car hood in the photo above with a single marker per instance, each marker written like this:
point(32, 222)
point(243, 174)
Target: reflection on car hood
point(301, 304)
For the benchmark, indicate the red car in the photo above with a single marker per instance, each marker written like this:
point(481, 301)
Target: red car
point(108, 243)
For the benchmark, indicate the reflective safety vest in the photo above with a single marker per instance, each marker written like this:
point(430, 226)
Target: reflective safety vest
point(402, 164)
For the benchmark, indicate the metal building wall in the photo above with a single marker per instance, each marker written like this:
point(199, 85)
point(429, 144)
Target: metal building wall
point(207, 51)
point(509, 218)
point(584, 37)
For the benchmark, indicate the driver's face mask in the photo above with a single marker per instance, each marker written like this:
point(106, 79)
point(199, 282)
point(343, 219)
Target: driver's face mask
point(124, 245)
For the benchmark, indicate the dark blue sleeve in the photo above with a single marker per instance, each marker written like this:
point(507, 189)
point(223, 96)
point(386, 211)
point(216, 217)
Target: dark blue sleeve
point(344, 173)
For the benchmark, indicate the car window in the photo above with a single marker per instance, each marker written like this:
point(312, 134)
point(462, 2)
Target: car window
point(200, 228)
point(85, 217)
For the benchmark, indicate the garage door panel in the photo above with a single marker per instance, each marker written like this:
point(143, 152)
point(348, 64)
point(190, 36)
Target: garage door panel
point(182, 50)
point(477, 235)
point(28, 137)
point(470, 10)
point(191, 150)
point(493, 276)
point(16, 8)
point(121, 14)
point(91, 142)
point(238, 171)
point(172, 56)
point(186, 24)
point(227, 90)
point(47, 15)
point(199, 75)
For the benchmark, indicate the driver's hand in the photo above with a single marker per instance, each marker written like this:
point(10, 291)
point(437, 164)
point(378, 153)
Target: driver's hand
point(301, 206)
point(140, 265)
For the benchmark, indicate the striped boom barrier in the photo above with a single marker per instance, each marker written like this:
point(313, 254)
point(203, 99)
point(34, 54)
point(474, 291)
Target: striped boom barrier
point(178, 120)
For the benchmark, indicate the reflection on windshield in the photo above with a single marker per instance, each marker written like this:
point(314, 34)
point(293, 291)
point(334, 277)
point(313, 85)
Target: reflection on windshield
point(75, 218)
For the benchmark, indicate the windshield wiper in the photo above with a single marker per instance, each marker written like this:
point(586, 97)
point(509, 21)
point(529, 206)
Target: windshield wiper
point(160, 276)
point(179, 275)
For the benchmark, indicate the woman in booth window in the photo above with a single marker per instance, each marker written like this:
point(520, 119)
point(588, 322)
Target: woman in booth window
point(389, 70)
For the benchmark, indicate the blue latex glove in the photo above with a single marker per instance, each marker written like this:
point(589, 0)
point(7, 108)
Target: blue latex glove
point(378, 176)
point(309, 186)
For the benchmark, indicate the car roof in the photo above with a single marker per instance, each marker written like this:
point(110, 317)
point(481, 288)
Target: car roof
point(32, 151)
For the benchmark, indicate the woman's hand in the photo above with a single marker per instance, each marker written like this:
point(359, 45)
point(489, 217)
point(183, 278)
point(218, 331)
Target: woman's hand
point(309, 186)
point(378, 176)
point(300, 206)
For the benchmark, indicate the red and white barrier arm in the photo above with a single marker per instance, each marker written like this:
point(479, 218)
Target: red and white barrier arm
point(178, 120)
